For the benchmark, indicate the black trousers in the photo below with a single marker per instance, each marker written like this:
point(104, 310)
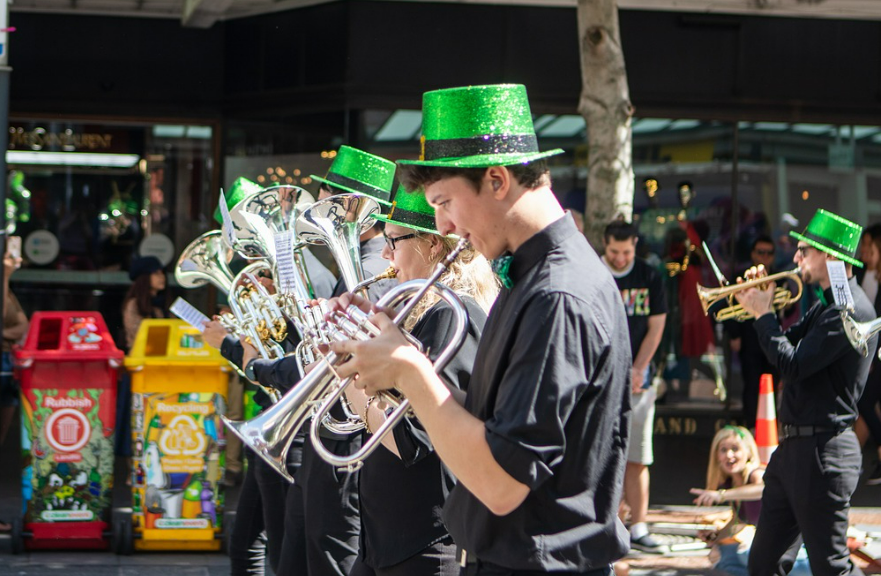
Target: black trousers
point(322, 521)
point(439, 559)
point(273, 493)
point(808, 485)
point(248, 526)
point(260, 507)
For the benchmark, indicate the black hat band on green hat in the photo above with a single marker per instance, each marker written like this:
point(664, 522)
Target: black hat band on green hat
point(480, 145)
point(357, 185)
point(846, 250)
point(410, 218)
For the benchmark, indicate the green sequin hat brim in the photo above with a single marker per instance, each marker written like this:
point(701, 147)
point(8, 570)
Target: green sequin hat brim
point(351, 190)
point(483, 160)
point(828, 249)
point(241, 189)
point(388, 220)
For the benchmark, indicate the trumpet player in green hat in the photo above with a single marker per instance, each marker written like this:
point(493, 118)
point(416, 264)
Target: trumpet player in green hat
point(539, 442)
point(814, 471)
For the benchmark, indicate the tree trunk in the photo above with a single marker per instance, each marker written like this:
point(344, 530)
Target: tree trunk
point(605, 105)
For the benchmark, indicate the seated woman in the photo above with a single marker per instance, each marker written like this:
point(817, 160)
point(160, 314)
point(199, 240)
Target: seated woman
point(734, 474)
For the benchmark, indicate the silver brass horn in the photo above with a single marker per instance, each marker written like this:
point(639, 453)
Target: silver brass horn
point(392, 298)
point(270, 433)
point(859, 333)
point(205, 260)
point(338, 222)
point(276, 210)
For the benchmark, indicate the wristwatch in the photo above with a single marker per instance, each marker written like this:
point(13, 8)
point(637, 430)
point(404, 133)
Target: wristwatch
point(249, 371)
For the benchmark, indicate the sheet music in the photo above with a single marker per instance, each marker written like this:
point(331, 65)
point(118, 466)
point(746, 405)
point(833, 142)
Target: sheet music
point(186, 312)
point(228, 231)
point(840, 287)
point(284, 259)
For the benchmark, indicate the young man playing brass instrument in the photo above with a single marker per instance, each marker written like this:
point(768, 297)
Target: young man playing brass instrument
point(539, 446)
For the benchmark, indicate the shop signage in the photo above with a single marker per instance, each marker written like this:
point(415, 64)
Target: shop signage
point(66, 140)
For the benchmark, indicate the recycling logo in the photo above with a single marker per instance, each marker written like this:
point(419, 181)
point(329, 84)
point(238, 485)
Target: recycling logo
point(182, 437)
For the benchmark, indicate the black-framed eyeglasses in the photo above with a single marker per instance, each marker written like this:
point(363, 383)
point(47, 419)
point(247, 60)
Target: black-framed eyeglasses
point(390, 241)
point(761, 252)
point(803, 250)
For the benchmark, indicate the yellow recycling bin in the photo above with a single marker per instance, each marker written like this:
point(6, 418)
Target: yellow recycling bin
point(179, 388)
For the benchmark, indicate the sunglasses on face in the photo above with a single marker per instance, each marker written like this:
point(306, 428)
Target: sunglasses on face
point(390, 241)
point(803, 250)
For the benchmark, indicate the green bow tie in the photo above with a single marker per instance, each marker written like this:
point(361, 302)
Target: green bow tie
point(821, 295)
point(501, 266)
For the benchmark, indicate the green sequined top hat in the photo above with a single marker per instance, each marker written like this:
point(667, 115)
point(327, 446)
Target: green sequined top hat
point(411, 210)
point(834, 235)
point(240, 189)
point(357, 171)
point(478, 127)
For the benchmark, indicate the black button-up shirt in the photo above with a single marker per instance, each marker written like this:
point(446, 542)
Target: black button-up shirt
point(824, 375)
point(552, 383)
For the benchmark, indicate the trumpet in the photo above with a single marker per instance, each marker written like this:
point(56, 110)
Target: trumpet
point(783, 297)
point(859, 333)
point(270, 434)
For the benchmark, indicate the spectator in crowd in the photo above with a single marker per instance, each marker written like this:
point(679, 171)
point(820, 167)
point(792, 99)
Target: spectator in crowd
point(143, 300)
point(15, 326)
point(745, 341)
point(868, 277)
point(642, 291)
point(734, 475)
point(869, 424)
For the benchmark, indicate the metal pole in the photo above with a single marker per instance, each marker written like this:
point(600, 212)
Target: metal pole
point(5, 72)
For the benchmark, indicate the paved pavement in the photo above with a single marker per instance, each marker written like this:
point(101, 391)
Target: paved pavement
point(687, 559)
point(672, 475)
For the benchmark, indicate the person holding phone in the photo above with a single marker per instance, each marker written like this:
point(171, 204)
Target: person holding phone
point(15, 326)
point(642, 290)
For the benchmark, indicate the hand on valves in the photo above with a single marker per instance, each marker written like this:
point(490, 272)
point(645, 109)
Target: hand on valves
point(758, 300)
point(382, 362)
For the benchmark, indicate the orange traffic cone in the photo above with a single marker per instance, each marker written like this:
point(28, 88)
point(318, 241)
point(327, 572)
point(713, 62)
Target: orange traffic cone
point(766, 419)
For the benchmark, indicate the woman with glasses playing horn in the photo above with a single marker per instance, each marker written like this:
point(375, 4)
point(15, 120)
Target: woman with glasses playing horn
point(403, 484)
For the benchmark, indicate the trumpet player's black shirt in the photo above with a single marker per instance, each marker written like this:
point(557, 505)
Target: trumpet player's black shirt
point(402, 498)
point(551, 381)
point(824, 374)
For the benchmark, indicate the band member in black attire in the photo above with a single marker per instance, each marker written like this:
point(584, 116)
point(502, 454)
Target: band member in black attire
point(322, 504)
point(263, 508)
point(405, 465)
point(814, 471)
point(539, 447)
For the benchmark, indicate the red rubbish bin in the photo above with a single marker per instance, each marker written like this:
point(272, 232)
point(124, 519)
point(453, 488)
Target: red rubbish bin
point(68, 370)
